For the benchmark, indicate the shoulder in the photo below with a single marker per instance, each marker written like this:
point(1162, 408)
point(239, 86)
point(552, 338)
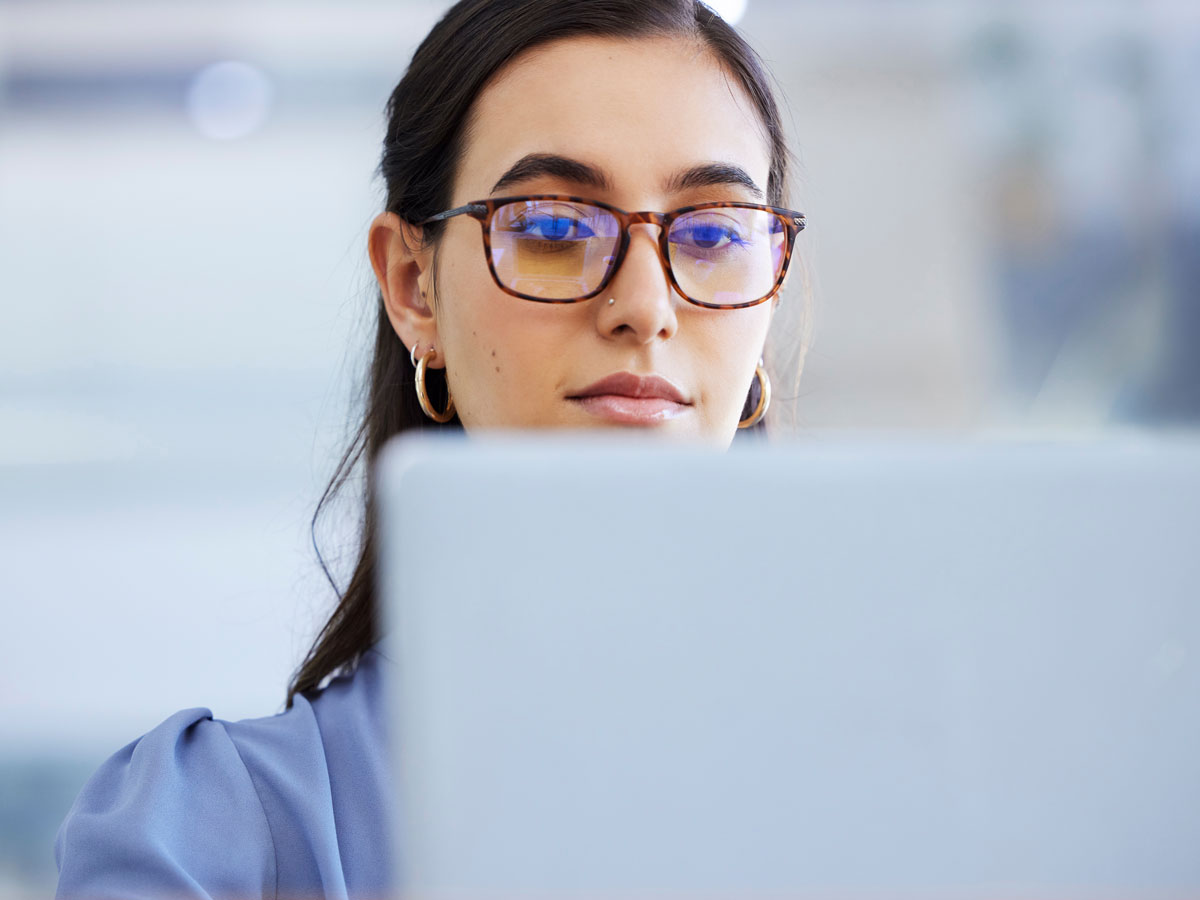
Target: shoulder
point(158, 817)
point(199, 807)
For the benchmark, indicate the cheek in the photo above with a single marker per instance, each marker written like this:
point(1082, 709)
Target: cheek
point(733, 346)
point(500, 350)
point(477, 338)
point(728, 347)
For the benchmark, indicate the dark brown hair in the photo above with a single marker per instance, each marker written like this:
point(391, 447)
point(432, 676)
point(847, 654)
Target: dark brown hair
point(427, 116)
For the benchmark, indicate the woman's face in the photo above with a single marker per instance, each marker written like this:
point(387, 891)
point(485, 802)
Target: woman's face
point(649, 124)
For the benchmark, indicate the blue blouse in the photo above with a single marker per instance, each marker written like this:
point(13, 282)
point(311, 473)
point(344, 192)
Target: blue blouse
point(290, 806)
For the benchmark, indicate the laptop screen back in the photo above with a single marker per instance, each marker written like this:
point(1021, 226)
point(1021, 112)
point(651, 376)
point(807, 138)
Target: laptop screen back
point(624, 670)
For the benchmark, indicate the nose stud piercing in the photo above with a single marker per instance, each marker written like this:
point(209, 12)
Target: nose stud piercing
point(612, 300)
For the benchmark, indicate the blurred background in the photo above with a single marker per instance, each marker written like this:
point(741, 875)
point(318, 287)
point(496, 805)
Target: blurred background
point(1004, 208)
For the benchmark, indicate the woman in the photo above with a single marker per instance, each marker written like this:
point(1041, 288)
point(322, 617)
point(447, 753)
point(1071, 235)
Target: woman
point(539, 123)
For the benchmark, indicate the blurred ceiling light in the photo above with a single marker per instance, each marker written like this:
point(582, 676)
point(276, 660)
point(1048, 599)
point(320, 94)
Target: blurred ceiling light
point(228, 100)
point(729, 10)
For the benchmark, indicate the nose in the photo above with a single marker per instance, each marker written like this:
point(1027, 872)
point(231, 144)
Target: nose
point(643, 307)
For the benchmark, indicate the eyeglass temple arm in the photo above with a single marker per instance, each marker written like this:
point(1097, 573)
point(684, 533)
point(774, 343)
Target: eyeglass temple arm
point(473, 209)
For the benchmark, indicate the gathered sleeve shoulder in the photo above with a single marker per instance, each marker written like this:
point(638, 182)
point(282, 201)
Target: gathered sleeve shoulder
point(289, 806)
point(174, 814)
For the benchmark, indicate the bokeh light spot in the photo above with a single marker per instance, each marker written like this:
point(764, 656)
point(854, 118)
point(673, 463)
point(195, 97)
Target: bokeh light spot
point(729, 10)
point(229, 100)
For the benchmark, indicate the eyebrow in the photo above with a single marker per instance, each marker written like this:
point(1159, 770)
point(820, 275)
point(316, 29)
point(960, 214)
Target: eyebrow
point(551, 165)
point(542, 165)
point(713, 174)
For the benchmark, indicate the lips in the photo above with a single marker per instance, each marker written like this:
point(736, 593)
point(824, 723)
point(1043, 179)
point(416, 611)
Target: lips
point(640, 387)
point(628, 399)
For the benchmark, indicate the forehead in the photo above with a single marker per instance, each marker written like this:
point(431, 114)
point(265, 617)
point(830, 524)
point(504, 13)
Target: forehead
point(640, 110)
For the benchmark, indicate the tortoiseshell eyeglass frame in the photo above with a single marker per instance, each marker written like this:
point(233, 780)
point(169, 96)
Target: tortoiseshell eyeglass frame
point(483, 210)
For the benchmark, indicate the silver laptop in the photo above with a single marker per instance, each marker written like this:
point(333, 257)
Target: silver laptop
point(840, 670)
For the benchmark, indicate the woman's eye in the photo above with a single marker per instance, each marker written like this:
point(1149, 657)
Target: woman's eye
point(706, 235)
point(554, 228)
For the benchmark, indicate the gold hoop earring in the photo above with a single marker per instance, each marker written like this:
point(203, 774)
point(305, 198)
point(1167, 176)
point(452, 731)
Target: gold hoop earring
point(764, 397)
point(423, 395)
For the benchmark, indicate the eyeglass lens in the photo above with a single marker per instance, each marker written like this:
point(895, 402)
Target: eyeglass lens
point(558, 250)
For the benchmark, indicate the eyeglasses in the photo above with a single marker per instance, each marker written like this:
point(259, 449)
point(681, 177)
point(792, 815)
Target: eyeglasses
point(554, 248)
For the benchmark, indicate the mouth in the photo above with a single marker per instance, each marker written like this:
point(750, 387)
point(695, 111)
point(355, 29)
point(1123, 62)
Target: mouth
point(627, 399)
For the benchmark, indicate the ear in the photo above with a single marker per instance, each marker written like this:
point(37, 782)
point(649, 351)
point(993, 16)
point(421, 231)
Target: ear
point(403, 269)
